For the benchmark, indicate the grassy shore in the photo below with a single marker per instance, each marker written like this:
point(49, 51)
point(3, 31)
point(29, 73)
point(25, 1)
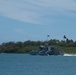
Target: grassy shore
point(68, 50)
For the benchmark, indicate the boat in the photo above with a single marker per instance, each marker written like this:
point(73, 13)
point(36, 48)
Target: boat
point(47, 50)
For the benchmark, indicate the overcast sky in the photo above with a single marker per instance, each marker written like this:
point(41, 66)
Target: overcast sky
point(22, 20)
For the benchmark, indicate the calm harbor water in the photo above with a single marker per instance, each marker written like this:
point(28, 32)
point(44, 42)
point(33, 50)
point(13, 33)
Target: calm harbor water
point(24, 64)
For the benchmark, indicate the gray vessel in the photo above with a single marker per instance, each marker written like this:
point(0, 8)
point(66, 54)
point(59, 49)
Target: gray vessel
point(47, 50)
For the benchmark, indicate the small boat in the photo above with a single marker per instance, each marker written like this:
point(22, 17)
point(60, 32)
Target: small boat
point(34, 52)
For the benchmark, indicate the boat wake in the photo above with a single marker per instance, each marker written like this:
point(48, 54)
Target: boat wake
point(69, 54)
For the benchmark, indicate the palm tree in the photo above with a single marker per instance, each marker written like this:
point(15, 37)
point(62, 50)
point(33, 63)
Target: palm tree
point(48, 37)
point(65, 37)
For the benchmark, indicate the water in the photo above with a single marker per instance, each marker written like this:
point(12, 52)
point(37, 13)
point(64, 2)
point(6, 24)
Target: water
point(24, 64)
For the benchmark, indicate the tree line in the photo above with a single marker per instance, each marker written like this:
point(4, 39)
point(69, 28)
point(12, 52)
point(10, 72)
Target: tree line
point(67, 45)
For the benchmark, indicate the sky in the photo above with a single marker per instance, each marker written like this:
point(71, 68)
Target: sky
point(22, 20)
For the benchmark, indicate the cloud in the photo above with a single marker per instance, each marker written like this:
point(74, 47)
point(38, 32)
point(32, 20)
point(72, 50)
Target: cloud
point(20, 31)
point(23, 32)
point(72, 11)
point(35, 11)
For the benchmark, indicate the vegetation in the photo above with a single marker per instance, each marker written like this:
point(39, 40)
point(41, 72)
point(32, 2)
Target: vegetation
point(66, 45)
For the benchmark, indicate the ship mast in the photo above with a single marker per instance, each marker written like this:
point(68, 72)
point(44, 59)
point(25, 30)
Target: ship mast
point(47, 40)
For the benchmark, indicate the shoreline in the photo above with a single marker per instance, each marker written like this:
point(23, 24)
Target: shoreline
point(65, 54)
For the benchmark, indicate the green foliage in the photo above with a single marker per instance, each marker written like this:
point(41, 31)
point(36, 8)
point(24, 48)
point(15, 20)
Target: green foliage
point(68, 49)
point(27, 49)
point(68, 46)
